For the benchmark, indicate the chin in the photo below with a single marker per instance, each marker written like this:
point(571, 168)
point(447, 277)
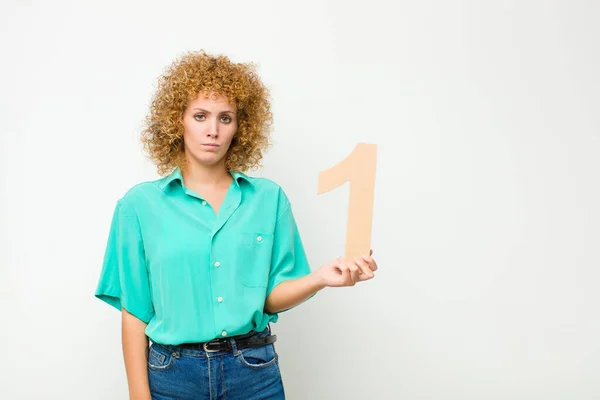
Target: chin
point(206, 158)
point(208, 161)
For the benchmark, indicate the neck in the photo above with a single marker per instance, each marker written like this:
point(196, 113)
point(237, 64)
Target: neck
point(195, 174)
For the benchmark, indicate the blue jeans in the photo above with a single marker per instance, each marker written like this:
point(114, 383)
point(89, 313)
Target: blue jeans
point(189, 374)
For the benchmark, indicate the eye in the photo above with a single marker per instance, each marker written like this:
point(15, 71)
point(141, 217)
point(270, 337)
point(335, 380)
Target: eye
point(226, 119)
point(199, 117)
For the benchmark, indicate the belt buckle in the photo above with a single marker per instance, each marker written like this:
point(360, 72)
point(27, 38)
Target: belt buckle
point(206, 349)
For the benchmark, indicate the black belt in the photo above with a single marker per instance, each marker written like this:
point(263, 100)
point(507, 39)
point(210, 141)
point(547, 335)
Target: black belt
point(224, 344)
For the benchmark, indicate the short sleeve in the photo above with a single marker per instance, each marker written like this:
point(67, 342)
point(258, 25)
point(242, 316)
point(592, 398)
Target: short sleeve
point(124, 280)
point(289, 259)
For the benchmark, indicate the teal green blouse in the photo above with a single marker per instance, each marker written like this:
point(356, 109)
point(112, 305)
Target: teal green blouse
point(191, 275)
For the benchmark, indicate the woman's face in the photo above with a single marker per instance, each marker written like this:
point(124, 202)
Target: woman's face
point(209, 126)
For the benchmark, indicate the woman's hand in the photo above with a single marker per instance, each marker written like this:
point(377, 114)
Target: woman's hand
point(343, 272)
point(292, 292)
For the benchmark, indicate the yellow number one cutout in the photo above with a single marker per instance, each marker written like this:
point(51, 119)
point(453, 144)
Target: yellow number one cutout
point(358, 168)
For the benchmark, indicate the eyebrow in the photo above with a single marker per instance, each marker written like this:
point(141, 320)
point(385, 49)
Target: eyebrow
point(208, 112)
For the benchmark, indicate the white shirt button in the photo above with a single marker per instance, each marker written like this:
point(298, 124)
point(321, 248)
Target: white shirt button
point(203, 203)
point(220, 299)
point(259, 238)
point(224, 333)
point(217, 264)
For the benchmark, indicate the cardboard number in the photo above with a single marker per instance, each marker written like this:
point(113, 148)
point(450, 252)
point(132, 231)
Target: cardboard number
point(358, 168)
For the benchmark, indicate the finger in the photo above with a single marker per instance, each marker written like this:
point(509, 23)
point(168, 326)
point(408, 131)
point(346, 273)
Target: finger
point(337, 263)
point(364, 267)
point(364, 277)
point(342, 267)
point(345, 273)
point(371, 253)
point(348, 276)
point(371, 262)
point(354, 272)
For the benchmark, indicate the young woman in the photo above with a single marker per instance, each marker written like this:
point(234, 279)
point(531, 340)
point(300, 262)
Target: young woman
point(202, 260)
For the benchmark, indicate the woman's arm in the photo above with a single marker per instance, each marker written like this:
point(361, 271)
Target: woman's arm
point(290, 293)
point(336, 273)
point(135, 354)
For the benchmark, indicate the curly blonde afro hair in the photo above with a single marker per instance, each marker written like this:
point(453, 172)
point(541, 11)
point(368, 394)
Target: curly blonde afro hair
point(183, 80)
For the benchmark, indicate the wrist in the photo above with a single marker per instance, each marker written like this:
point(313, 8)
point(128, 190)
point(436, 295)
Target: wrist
point(317, 280)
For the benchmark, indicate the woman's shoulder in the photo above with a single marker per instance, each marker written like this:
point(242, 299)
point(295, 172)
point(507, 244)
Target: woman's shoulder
point(264, 185)
point(141, 192)
point(260, 181)
point(270, 192)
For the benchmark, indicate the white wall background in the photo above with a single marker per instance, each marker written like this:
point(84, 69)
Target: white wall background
point(487, 218)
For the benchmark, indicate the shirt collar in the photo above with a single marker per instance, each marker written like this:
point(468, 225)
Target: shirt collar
point(237, 176)
point(176, 175)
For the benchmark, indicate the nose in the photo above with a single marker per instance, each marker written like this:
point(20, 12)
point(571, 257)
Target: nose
point(212, 129)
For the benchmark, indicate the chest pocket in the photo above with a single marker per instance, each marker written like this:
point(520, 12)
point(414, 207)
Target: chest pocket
point(254, 258)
